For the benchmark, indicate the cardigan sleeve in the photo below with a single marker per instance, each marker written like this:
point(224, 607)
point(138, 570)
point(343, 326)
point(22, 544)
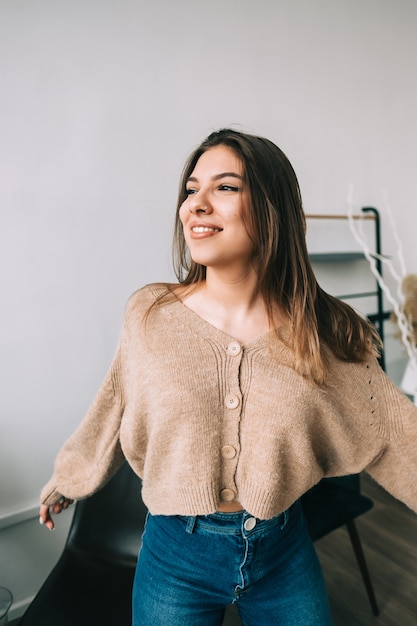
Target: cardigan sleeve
point(396, 467)
point(93, 454)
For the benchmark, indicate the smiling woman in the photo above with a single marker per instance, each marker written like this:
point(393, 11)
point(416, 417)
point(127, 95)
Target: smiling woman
point(231, 394)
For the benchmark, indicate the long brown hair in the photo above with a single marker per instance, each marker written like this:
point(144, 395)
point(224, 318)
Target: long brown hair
point(277, 225)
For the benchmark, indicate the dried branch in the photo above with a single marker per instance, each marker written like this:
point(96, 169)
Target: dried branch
point(405, 324)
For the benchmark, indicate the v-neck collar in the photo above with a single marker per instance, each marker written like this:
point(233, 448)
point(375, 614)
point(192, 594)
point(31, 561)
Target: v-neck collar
point(176, 307)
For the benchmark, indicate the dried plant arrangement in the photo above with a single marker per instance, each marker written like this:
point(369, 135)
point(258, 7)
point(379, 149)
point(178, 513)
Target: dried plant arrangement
point(404, 302)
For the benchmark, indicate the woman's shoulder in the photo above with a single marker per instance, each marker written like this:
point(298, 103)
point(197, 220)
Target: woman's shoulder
point(144, 298)
point(147, 291)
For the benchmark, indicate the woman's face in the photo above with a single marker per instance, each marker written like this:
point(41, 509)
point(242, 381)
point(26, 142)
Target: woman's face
point(212, 214)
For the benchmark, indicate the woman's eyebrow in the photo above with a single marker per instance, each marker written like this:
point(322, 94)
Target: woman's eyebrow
point(217, 176)
point(224, 174)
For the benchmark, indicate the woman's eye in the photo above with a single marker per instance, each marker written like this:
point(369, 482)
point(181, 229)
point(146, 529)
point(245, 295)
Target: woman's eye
point(189, 192)
point(228, 188)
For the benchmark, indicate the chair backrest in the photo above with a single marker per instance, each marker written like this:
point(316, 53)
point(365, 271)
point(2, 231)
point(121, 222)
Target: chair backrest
point(332, 503)
point(109, 523)
point(350, 483)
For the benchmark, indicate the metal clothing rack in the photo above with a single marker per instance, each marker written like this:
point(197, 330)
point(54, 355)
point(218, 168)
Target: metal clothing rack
point(370, 213)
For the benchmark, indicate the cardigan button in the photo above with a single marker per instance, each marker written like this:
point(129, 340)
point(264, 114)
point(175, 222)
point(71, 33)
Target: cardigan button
point(234, 348)
point(228, 452)
point(231, 401)
point(227, 495)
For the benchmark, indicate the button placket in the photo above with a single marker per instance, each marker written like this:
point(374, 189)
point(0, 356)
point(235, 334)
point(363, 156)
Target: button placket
point(232, 403)
point(232, 399)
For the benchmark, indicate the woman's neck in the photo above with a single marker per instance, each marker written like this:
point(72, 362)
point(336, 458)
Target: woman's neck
point(231, 304)
point(233, 293)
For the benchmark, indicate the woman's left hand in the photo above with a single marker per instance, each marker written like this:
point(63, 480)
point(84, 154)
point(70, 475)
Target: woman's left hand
point(45, 511)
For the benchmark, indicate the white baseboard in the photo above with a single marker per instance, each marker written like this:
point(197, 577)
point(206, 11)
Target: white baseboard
point(18, 608)
point(10, 519)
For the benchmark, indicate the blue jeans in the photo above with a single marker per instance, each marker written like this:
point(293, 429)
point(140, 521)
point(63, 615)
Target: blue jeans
point(191, 568)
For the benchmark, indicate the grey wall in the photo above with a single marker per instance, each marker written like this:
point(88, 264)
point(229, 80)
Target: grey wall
point(101, 101)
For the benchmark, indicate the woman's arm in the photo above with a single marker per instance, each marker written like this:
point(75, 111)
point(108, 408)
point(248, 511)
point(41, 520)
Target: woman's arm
point(92, 454)
point(396, 467)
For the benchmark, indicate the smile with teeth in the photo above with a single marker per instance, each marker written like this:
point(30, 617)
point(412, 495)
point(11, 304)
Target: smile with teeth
point(205, 229)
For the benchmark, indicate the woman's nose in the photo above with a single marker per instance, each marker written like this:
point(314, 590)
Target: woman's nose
point(199, 208)
point(198, 204)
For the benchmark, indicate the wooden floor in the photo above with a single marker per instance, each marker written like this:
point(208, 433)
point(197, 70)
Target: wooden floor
point(389, 537)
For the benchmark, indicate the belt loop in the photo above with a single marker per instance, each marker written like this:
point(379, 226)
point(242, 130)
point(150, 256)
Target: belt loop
point(189, 528)
point(284, 519)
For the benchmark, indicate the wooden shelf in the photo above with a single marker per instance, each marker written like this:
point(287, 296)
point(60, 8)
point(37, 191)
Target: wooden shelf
point(336, 257)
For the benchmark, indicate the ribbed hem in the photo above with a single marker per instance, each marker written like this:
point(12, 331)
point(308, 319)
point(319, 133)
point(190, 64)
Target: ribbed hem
point(191, 500)
point(262, 503)
point(204, 500)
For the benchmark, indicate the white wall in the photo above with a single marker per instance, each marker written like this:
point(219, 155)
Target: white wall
point(100, 103)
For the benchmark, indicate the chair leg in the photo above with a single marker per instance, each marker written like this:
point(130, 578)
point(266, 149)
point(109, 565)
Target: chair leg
point(360, 557)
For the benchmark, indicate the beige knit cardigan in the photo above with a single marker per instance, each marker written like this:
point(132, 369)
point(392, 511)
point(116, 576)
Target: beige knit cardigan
point(202, 418)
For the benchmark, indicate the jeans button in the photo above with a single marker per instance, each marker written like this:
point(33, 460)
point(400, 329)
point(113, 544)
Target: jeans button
point(250, 523)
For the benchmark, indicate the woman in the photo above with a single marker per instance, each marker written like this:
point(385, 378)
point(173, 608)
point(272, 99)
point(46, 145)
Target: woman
point(231, 394)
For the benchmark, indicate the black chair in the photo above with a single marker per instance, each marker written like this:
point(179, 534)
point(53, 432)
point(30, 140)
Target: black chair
point(91, 585)
point(337, 502)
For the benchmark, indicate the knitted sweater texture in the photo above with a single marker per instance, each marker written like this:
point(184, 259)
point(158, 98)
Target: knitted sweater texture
point(202, 418)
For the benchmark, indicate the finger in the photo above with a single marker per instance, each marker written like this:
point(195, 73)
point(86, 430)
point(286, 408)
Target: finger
point(63, 503)
point(45, 517)
point(57, 508)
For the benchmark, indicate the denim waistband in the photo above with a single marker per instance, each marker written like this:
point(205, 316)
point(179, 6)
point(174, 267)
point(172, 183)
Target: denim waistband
point(236, 522)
